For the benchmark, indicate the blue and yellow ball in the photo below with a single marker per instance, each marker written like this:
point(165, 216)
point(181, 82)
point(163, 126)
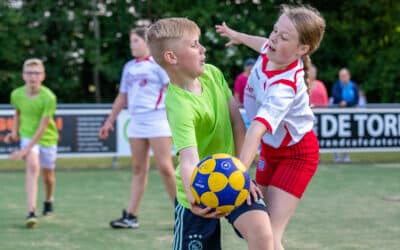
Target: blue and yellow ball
point(220, 181)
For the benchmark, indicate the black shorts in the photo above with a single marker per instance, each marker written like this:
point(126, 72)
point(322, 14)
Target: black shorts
point(195, 232)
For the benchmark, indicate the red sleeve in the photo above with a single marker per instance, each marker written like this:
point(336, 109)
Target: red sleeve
point(240, 84)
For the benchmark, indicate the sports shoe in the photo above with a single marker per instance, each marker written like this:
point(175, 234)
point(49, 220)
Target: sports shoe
point(47, 208)
point(127, 221)
point(346, 158)
point(336, 158)
point(31, 220)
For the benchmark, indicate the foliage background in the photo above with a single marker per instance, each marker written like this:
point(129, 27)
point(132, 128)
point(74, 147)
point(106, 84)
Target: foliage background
point(362, 35)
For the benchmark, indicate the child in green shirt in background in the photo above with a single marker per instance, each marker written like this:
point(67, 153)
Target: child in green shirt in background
point(34, 127)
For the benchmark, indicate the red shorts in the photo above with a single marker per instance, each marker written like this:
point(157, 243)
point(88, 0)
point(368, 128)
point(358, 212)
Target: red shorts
point(290, 168)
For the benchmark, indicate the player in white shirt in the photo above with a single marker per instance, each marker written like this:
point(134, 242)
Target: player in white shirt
point(274, 99)
point(142, 90)
point(277, 101)
point(145, 84)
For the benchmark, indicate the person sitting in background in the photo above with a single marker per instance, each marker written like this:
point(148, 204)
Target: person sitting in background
point(318, 93)
point(241, 80)
point(345, 93)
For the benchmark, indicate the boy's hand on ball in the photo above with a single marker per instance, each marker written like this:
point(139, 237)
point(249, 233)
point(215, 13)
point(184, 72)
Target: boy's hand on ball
point(206, 212)
point(219, 181)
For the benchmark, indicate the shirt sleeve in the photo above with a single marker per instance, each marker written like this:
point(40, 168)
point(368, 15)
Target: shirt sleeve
point(163, 75)
point(238, 83)
point(123, 88)
point(249, 98)
point(356, 98)
point(219, 79)
point(50, 107)
point(275, 106)
point(250, 105)
point(225, 88)
point(181, 122)
point(324, 94)
point(264, 48)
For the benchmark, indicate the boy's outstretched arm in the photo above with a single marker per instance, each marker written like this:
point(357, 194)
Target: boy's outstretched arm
point(20, 154)
point(189, 159)
point(235, 37)
point(238, 127)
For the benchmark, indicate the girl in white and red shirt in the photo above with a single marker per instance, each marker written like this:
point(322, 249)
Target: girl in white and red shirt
point(277, 101)
point(142, 90)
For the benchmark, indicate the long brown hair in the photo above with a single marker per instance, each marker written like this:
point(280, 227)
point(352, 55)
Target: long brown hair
point(140, 31)
point(311, 28)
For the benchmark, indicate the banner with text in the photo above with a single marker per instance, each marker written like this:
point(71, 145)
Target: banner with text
point(358, 130)
point(78, 131)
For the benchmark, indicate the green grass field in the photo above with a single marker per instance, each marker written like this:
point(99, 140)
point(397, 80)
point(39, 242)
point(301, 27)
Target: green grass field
point(344, 208)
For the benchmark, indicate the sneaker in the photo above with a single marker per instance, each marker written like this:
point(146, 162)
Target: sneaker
point(127, 221)
point(47, 208)
point(346, 158)
point(336, 158)
point(31, 220)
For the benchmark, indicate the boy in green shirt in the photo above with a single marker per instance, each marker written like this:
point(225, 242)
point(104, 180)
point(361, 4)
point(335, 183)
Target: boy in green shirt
point(33, 123)
point(204, 120)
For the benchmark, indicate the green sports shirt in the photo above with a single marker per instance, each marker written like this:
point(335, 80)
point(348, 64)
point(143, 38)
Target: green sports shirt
point(32, 110)
point(201, 121)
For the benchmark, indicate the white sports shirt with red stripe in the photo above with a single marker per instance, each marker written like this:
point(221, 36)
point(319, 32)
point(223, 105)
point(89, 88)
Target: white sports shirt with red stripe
point(145, 84)
point(279, 100)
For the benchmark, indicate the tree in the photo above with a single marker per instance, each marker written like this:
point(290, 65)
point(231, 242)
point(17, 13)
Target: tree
point(361, 35)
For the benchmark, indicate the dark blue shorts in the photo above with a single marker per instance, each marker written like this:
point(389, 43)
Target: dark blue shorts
point(192, 232)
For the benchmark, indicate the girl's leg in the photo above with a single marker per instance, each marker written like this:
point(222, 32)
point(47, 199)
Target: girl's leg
point(162, 155)
point(281, 206)
point(293, 169)
point(140, 170)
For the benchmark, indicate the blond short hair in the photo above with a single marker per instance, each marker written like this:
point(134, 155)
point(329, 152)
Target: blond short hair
point(33, 62)
point(164, 32)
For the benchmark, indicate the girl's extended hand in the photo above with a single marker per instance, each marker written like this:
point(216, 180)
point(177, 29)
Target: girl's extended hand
point(254, 192)
point(225, 31)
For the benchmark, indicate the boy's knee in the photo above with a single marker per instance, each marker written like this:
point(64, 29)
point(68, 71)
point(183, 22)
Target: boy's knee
point(259, 232)
point(256, 231)
point(32, 170)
